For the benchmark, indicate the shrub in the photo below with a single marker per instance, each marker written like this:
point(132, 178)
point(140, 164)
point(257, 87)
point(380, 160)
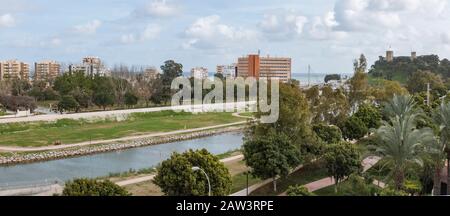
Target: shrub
point(298, 190)
point(91, 187)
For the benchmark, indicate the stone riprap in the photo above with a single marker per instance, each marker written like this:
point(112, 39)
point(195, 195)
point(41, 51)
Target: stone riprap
point(87, 150)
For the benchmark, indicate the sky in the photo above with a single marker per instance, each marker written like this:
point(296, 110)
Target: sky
point(326, 34)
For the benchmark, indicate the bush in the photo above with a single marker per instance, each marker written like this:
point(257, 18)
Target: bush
point(358, 186)
point(298, 190)
point(391, 192)
point(90, 187)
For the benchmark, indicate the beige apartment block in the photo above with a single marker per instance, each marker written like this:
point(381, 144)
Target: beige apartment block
point(265, 67)
point(151, 74)
point(46, 70)
point(14, 69)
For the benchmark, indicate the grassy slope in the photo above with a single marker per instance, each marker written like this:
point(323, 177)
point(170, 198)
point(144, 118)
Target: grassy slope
point(70, 131)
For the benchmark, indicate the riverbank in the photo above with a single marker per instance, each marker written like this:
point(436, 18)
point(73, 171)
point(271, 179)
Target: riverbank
point(21, 158)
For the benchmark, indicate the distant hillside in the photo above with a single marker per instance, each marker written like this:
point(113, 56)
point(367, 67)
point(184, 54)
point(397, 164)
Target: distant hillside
point(402, 67)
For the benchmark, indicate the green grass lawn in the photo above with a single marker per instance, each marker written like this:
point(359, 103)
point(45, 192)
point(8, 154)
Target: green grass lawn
point(75, 131)
point(240, 182)
point(309, 173)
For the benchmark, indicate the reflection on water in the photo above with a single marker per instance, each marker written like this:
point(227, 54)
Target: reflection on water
point(115, 162)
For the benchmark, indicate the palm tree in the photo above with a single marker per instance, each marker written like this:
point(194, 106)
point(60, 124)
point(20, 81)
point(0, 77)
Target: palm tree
point(401, 139)
point(436, 151)
point(443, 119)
point(400, 105)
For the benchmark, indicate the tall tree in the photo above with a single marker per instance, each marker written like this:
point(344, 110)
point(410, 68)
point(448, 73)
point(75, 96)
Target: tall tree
point(359, 85)
point(342, 159)
point(103, 92)
point(271, 156)
point(177, 178)
point(171, 70)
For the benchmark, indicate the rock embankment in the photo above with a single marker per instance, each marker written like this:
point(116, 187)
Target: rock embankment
point(87, 150)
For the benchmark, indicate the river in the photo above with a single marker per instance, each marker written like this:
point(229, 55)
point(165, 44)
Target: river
point(114, 162)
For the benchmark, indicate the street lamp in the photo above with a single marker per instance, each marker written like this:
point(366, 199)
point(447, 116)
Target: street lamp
point(207, 178)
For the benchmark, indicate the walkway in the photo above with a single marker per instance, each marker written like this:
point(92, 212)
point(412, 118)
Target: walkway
point(115, 113)
point(367, 163)
point(48, 148)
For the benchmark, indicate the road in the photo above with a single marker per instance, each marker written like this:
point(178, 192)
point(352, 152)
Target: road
point(123, 113)
point(95, 142)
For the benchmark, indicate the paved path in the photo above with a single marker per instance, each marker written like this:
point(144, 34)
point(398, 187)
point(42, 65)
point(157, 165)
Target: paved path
point(117, 113)
point(150, 177)
point(367, 163)
point(55, 147)
point(48, 190)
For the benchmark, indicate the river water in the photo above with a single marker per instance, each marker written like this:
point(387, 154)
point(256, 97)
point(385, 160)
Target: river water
point(97, 165)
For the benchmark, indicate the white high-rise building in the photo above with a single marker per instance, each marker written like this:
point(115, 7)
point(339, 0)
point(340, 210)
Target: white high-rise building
point(227, 70)
point(199, 73)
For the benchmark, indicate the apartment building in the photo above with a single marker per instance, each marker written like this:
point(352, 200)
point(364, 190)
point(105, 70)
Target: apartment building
point(265, 67)
point(227, 70)
point(14, 69)
point(199, 73)
point(90, 66)
point(151, 73)
point(46, 70)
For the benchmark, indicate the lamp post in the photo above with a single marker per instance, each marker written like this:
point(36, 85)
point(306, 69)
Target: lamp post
point(207, 178)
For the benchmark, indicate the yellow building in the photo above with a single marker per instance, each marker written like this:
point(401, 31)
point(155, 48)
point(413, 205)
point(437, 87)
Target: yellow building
point(46, 70)
point(14, 69)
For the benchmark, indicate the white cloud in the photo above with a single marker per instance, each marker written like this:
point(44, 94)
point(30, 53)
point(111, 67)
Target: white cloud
point(282, 25)
point(160, 8)
point(361, 15)
point(7, 20)
point(150, 32)
point(88, 28)
point(321, 28)
point(208, 32)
